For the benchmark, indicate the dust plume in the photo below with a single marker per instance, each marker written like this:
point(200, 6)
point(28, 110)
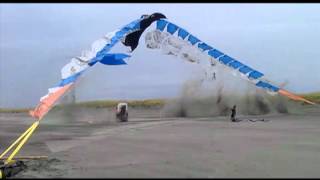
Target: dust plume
point(203, 98)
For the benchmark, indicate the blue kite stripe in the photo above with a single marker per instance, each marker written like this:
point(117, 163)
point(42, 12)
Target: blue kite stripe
point(274, 88)
point(171, 28)
point(182, 33)
point(215, 53)
point(255, 74)
point(161, 24)
point(70, 79)
point(114, 59)
point(204, 46)
point(134, 25)
point(235, 64)
point(192, 39)
point(265, 85)
point(225, 59)
point(245, 69)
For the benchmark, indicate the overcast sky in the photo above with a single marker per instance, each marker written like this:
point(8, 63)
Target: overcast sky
point(37, 40)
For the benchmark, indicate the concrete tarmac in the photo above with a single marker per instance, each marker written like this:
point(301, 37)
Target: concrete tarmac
point(286, 146)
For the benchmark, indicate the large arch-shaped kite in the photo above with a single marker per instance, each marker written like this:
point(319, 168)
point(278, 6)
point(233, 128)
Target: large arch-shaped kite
point(166, 36)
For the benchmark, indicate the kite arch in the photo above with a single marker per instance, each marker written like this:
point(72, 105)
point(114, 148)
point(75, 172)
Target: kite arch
point(169, 37)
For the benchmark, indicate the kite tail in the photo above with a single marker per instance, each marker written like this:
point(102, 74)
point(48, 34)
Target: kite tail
point(47, 102)
point(294, 97)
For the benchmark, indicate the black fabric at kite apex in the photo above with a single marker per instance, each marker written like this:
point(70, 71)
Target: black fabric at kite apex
point(132, 39)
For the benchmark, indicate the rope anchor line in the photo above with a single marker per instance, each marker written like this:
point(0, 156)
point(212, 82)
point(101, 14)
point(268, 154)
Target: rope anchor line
point(19, 142)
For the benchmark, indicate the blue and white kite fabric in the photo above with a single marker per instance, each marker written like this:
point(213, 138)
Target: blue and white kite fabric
point(167, 36)
point(129, 35)
point(174, 40)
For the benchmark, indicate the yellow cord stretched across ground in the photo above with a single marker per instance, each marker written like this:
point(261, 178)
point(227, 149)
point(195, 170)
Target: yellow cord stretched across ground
point(18, 140)
point(21, 140)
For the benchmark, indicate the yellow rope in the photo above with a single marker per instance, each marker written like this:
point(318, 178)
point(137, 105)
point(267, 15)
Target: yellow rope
point(13, 144)
point(24, 140)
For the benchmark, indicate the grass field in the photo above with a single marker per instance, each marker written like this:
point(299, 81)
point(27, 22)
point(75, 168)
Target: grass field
point(99, 104)
point(314, 97)
point(113, 103)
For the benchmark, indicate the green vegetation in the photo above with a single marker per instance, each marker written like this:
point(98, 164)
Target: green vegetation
point(314, 97)
point(3, 110)
point(99, 104)
point(113, 103)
